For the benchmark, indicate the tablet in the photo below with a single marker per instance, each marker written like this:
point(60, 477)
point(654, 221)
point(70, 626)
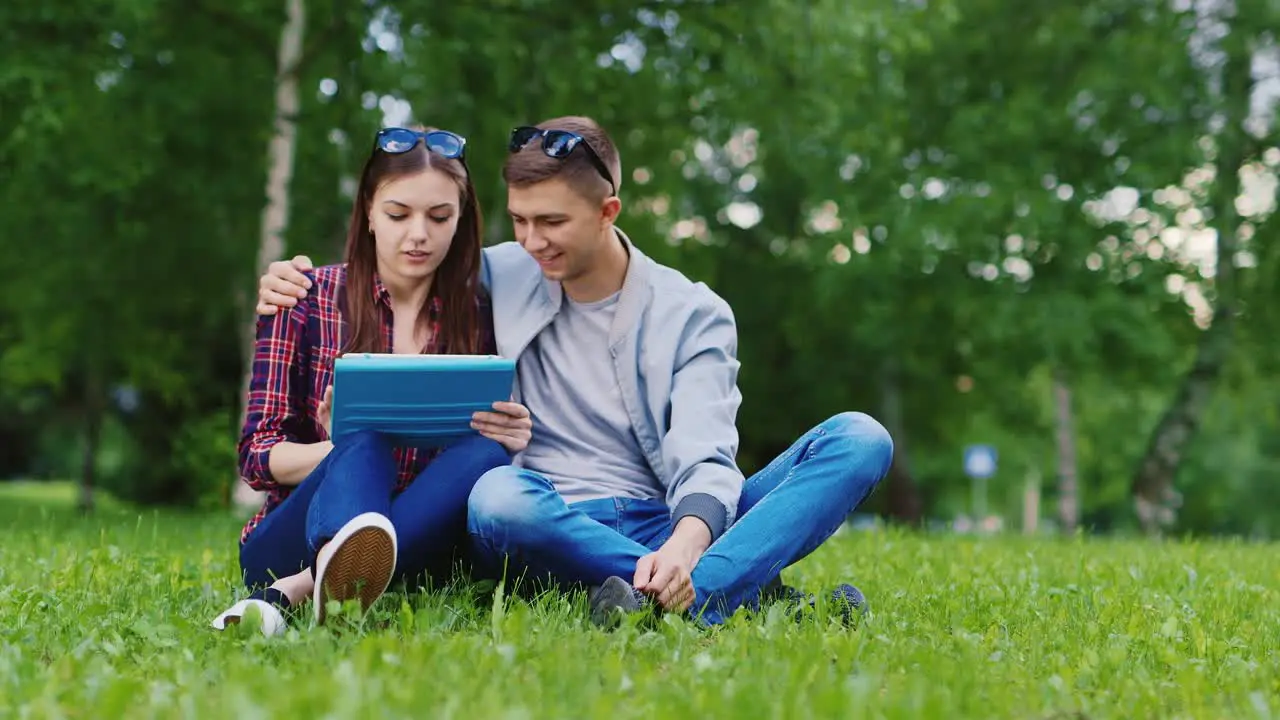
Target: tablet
point(422, 401)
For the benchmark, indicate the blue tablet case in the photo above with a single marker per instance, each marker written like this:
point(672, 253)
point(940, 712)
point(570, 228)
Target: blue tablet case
point(421, 401)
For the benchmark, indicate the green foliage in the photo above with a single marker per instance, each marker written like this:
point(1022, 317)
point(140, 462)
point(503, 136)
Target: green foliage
point(927, 246)
point(202, 451)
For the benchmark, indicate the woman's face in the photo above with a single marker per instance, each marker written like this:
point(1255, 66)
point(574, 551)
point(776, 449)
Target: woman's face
point(413, 219)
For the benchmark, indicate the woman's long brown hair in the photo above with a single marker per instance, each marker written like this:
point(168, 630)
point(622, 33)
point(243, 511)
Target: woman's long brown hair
point(456, 280)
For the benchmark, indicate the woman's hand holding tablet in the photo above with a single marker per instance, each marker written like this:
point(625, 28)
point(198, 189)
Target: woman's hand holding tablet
point(324, 413)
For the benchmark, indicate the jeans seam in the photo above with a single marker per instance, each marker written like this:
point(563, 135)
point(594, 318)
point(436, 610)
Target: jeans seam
point(808, 456)
point(791, 452)
point(780, 459)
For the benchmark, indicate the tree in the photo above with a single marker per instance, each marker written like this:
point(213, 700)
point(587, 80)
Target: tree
point(280, 161)
point(1233, 146)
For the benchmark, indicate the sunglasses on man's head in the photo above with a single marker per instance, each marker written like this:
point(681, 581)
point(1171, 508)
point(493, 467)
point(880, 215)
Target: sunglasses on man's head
point(559, 144)
point(441, 142)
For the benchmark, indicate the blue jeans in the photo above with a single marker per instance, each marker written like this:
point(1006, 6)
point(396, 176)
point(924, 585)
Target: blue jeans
point(358, 477)
point(519, 524)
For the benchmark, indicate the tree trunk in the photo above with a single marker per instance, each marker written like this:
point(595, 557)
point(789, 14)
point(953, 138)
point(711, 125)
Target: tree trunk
point(904, 495)
point(93, 411)
point(1031, 503)
point(1155, 499)
point(275, 215)
point(1068, 483)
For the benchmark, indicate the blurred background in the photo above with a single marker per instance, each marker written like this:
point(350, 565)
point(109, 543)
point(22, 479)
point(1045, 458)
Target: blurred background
point(1035, 239)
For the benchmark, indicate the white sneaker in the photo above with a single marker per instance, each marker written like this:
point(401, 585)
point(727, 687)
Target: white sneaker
point(273, 621)
point(357, 562)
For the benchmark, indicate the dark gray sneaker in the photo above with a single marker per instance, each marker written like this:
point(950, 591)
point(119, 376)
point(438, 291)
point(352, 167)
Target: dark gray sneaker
point(846, 601)
point(613, 599)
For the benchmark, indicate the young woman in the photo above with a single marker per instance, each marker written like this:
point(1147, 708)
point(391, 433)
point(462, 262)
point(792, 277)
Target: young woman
point(343, 522)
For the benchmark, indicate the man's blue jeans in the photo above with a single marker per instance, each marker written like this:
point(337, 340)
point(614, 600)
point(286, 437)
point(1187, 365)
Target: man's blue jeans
point(359, 476)
point(520, 524)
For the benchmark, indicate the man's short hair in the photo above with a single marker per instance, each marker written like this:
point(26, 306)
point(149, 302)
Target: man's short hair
point(530, 165)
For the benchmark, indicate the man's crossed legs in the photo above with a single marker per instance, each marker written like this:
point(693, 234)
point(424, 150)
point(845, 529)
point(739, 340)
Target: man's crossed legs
point(786, 511)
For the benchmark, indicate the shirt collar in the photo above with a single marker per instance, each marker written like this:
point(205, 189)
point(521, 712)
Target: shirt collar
point(382, 295)
point(380, 292)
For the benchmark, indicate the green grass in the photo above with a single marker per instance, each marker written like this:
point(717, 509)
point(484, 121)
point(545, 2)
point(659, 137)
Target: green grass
point(108, 616)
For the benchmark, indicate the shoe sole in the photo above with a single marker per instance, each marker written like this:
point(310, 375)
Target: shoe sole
point(614, 595)
point(360, 565)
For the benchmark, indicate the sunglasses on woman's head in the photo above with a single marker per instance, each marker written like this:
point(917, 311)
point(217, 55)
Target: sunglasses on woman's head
point(559, 144)
point(441, 142)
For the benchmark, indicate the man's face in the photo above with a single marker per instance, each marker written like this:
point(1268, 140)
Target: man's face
point(558, 226)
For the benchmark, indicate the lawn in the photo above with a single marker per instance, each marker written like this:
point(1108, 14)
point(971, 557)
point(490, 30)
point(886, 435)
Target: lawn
point(108, 616)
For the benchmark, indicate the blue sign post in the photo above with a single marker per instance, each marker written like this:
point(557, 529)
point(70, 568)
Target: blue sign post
point(980, 462)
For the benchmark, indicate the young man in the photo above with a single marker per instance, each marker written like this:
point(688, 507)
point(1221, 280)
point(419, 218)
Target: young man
point(629, 483)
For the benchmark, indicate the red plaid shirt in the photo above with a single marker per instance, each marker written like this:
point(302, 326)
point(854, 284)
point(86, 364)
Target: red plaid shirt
point(293, 364)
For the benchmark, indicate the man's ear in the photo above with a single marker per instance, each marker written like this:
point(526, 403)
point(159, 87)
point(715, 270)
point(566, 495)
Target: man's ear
point(610, 209)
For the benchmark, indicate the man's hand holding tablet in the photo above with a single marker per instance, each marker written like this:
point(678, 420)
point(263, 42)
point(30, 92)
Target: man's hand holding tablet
point(508, 424)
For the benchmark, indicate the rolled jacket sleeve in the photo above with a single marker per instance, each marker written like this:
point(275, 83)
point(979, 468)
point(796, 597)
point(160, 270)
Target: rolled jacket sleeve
point(700, 446)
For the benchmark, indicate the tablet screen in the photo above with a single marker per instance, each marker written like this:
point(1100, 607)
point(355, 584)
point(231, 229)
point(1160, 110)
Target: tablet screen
point(416, 400)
